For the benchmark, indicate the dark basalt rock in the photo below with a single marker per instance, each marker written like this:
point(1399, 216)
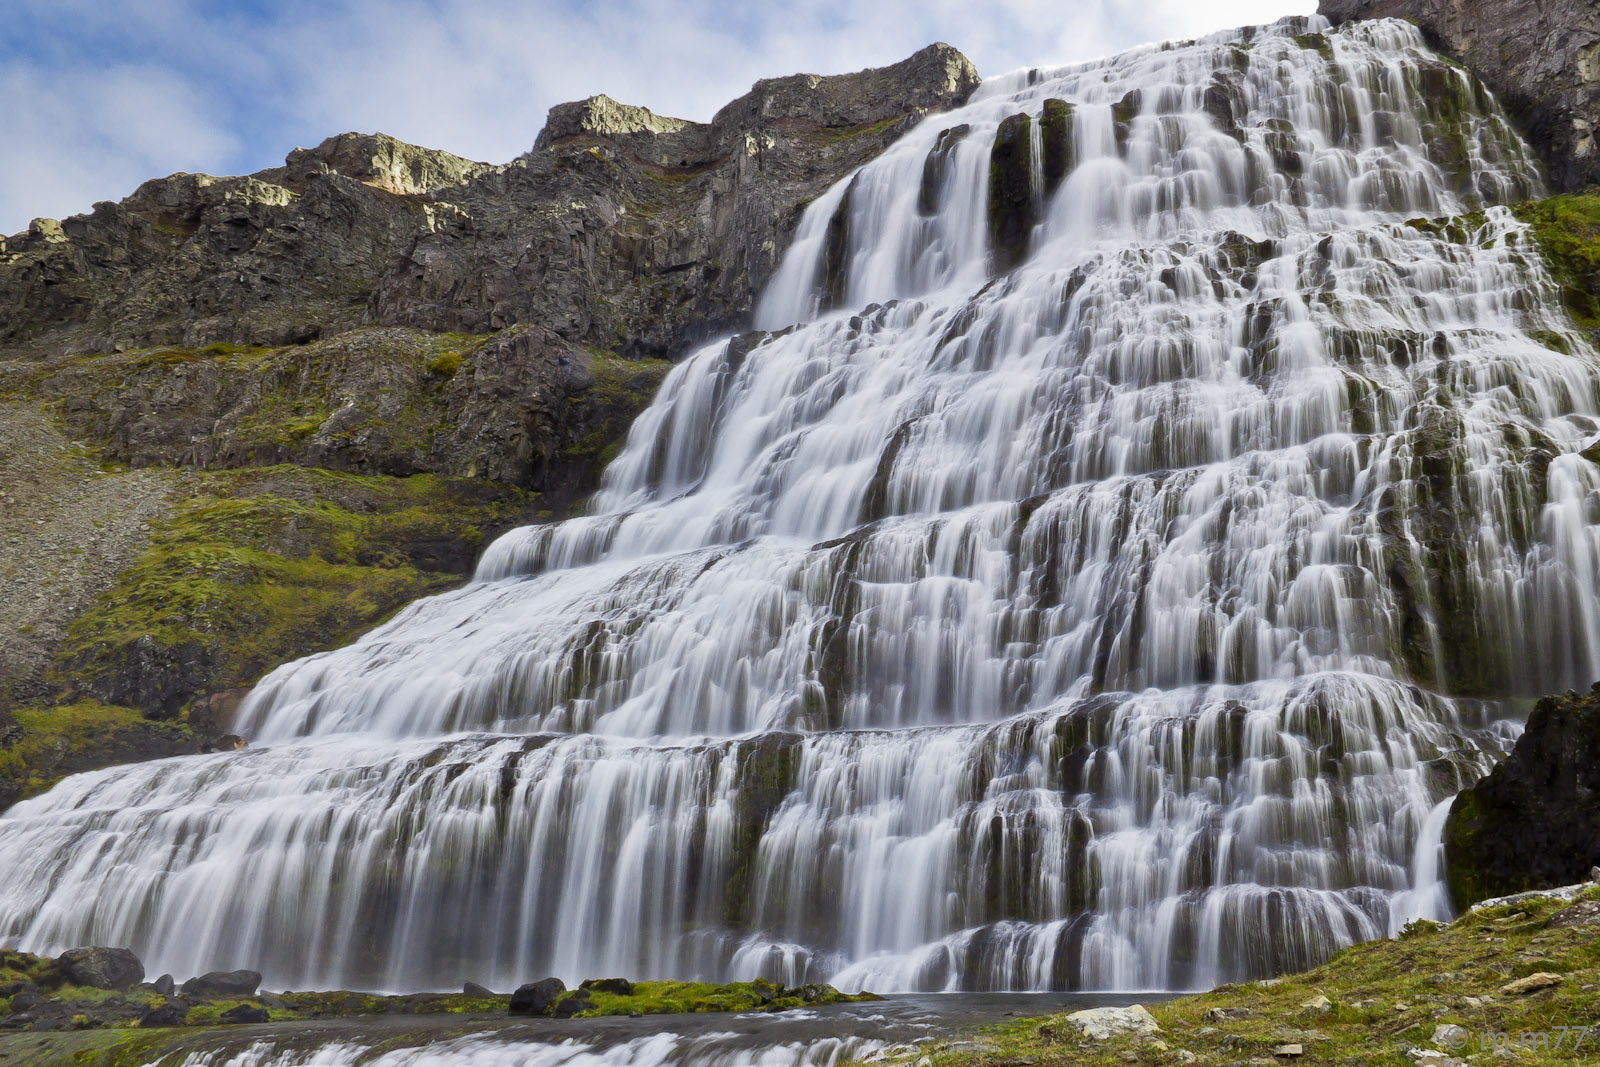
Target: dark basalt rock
point(572, 1004)
point(1123, 112)
point(1534, 821)
point(1055, 130)
point(164, 985)
point(619, 986)
point(1541, 60)
point(222, 984)
point(102, 968)
point(1012, 212)
point(537, 998)
point(836, 252)
point(172, 1013)
point(473, 989)
point(634, 232)
point(936, 166)
point(245, 1013)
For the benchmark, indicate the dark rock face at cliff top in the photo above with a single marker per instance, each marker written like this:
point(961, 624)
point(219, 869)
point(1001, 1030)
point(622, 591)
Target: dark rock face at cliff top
point(1534, 821)
point(622, 229)
point(1541, 59)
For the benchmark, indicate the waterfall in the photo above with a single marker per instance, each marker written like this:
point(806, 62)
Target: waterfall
point(1113, 616)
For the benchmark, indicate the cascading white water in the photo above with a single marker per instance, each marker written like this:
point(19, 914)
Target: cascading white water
point(1117, 622)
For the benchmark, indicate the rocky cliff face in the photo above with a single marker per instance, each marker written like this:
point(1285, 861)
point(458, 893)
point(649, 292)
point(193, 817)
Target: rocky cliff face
point(622, 229)
point(337, 379)
point(1541, 59)
point(1534, 821)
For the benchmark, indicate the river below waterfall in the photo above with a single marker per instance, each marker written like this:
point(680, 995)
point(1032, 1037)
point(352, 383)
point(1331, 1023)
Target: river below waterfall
point(1157, 483)
point(814, 1037)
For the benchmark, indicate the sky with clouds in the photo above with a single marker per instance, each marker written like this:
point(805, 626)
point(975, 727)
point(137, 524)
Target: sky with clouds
point(99, 95)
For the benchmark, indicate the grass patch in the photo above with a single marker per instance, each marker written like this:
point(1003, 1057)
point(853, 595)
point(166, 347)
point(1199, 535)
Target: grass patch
point(268, 564)
point(1384, 998)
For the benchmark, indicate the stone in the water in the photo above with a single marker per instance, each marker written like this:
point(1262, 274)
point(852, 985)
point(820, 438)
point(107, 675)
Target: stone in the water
point(168, 1014)
point(537, 998)
point(245, 1013)
point(223, 984)
point(619, 986)
point(473, 989)
point(102, 968)
point(1531, 984)
point(1098, 1024)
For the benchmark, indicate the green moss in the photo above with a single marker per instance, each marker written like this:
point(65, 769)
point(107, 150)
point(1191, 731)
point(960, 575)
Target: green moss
point(58, 740)
point(1315, 42)
point(670, 998)
point(273, 563)
point(445, 365)
point(1386, 996)
point(1567, 231)
point(832, 135)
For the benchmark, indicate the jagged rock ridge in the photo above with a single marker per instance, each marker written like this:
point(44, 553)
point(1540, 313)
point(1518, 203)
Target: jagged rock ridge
point(620, 229)
point(1542, 60)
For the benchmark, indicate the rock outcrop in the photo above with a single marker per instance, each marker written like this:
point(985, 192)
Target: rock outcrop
point(622, 229)
point(1534, 821)
point(1542, 61)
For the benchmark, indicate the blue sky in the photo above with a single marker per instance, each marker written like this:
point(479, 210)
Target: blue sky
point(98, 95)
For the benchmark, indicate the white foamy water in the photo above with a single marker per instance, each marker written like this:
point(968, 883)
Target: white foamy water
point(1120, 622)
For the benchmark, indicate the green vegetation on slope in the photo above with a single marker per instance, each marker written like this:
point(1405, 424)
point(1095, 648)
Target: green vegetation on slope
point(264, 564)
point(1567, 229)
point(1383, 999)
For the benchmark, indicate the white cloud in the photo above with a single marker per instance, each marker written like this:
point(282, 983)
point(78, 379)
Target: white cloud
point(73, 137)
point(477, 76)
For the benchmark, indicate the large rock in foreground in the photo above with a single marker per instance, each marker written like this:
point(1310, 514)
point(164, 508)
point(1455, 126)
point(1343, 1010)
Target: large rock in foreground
point(1542, 60)
point(1534, 821)
point(102, 968)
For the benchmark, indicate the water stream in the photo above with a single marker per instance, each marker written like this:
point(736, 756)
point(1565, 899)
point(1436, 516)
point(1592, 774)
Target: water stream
point(1118, 621)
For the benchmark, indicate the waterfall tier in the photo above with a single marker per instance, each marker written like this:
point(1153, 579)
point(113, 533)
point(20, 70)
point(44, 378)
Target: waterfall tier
point(1151, 486)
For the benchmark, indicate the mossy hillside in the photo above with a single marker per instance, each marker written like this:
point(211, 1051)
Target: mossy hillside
point(1384, 998)
point(265, 565)
point(56, 741)
point(1567, 230)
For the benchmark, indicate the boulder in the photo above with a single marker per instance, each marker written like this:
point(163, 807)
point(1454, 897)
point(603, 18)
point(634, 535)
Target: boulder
point(223, 984)
point(102, 968)
point(619, 986)
point(1531, 823)
point(245, 1013)
point(473, 989)
point(164, 985)
point(1531, 984)
point(172, 1013)
point(1098, 1024)
point(537, 998)
point(572, 1004)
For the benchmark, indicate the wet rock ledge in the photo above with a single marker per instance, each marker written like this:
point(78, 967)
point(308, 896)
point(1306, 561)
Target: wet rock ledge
point(91, 988)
